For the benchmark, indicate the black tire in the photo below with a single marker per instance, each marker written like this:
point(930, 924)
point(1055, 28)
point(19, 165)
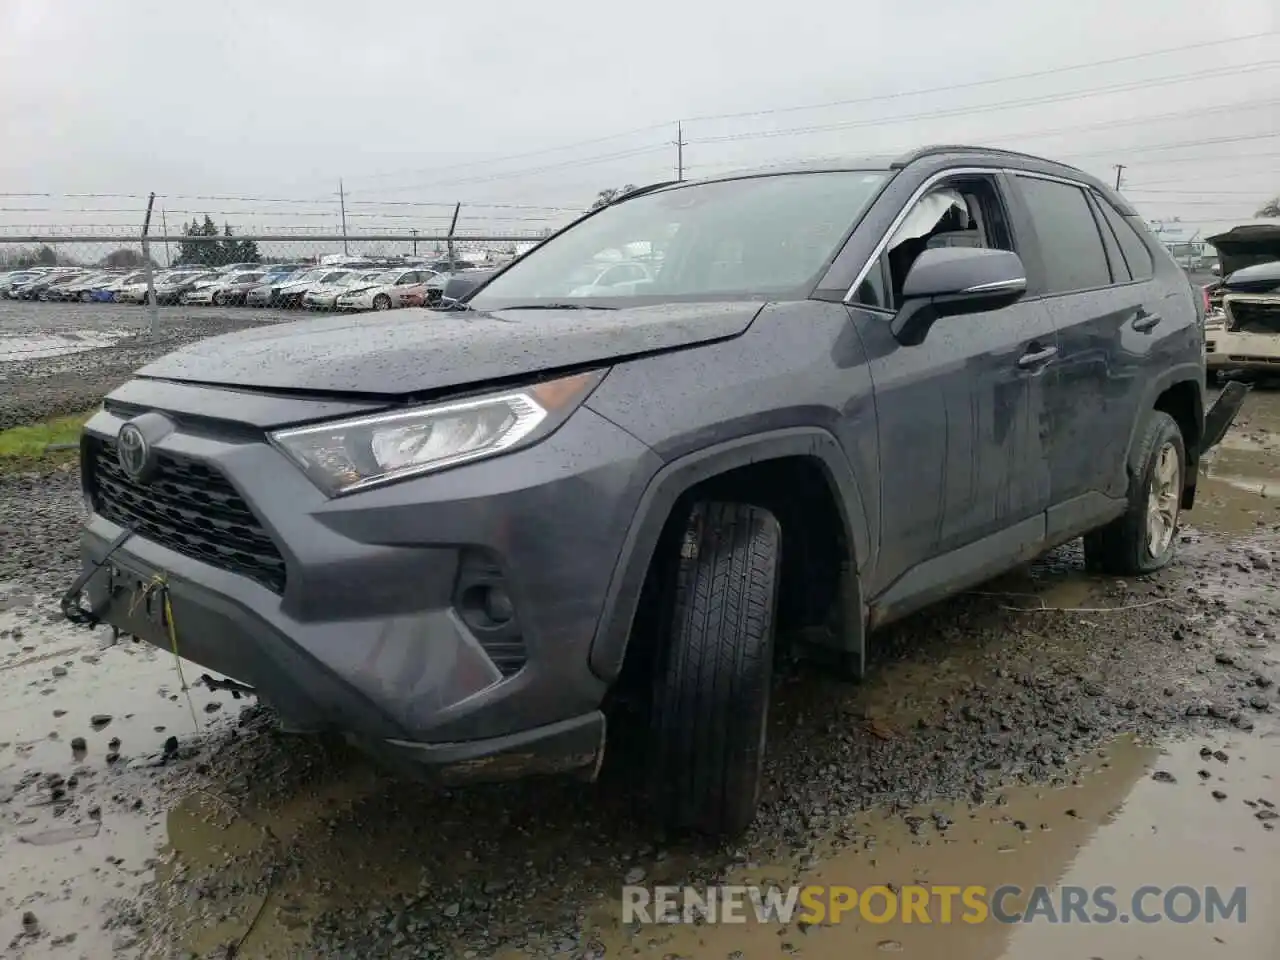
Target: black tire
point(1124, 547)
point(714, 672)
point(382, 302)
point(86, 296)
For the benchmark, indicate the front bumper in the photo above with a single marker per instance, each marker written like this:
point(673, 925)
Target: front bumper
point(1241, 350)
point(370, 635)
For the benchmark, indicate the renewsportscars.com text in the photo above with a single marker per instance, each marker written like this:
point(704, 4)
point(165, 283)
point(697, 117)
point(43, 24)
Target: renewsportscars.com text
point(933, 904)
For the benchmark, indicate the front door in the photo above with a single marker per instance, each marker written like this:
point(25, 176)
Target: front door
point(962, 416)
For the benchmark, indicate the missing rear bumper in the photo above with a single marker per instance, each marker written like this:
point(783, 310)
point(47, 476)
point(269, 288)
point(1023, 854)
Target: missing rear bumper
point(1223, 413)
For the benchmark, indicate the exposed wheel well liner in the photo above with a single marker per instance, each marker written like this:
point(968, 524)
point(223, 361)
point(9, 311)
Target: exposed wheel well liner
point(1182, 401)
point(1179, 392)
point(801, 475)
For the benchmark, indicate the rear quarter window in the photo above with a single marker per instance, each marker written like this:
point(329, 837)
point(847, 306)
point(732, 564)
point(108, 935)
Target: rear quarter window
point(1136, 253)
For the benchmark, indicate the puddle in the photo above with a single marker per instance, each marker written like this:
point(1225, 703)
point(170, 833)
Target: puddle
point(1239, 489)
point(1114, 825)
point(41, 346)
point(258, 841)
point(80, 822)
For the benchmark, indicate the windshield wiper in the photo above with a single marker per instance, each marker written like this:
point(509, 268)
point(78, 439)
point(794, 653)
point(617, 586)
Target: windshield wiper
point(558, 306)
point(449, 303)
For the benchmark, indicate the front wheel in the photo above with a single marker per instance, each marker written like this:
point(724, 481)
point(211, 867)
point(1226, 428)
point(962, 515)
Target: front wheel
point(382, 302)
point(1144, 538)
point(714, 672)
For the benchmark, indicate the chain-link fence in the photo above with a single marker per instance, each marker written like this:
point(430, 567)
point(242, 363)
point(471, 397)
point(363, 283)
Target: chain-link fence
point(193, 251)
point(109, 270)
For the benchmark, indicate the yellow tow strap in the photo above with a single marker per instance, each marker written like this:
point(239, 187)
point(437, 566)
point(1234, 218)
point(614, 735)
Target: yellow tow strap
point(160, 586)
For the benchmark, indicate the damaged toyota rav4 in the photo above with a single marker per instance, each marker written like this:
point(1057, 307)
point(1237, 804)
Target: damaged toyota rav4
point(704, 422)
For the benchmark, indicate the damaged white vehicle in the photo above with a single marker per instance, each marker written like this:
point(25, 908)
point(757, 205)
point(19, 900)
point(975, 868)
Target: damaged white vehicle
point(1242, 330)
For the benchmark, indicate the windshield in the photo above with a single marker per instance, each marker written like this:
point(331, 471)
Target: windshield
point(386, 277)
point(358, 278)
point(755, 236)
point(334, 277)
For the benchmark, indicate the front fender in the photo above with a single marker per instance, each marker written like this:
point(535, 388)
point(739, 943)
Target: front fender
point(609, 646)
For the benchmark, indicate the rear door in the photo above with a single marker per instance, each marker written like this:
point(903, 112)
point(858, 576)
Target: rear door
point(1107, 315)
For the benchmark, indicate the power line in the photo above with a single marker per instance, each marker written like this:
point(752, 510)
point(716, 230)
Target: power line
point(1205, 142)
point(818, 106)
point(991, 107)
point(922, 91)
point(1229, 158)
point(519, 156)
point(529, 171)
point(252, 214)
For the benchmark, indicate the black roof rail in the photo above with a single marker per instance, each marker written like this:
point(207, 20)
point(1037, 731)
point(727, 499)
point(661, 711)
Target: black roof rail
point(940, 148)
point(639, 190)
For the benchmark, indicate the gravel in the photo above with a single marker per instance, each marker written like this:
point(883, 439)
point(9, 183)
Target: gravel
point(50, 386)
point(961, 702)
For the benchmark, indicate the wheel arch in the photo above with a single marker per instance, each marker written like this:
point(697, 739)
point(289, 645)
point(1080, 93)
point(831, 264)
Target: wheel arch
point(741, 467)
point(1179, 392)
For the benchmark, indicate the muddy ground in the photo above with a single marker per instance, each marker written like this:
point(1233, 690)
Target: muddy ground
point(60, 358)
point(1050, 727)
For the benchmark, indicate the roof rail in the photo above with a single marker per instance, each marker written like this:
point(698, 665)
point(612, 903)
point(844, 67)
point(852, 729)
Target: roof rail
point(940, 148)
point(647, 188)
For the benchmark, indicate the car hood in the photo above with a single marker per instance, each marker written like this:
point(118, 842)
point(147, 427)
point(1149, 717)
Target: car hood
point(354, 291)
point(1259, 278)
point(416, 351)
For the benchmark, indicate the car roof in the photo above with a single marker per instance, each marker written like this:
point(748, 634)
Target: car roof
point(933, 157)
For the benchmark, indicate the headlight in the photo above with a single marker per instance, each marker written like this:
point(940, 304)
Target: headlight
point(351, 455)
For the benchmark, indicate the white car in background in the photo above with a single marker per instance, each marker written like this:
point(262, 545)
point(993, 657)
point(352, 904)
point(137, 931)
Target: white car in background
point(324, 296)
point(386, 290)
point(602, 276)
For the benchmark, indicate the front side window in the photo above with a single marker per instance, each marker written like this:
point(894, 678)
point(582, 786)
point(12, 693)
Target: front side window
point(756, 236)
point(966, 211)
point(1070, 244)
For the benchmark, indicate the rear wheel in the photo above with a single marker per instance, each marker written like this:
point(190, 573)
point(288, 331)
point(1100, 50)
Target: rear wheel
point(382, 302)
point(1144, 538)
point(85, 296)
point(714, 672)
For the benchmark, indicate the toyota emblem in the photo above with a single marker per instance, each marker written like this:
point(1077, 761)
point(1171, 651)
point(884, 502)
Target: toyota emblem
point(133, 452)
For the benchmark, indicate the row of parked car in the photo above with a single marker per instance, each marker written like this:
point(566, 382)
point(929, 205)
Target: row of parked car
point(352, 286)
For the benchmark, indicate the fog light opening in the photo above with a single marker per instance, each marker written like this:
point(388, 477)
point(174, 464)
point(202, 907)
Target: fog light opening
point(487, 606)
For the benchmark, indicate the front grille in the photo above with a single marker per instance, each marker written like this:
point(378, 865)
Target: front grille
point(189, 507)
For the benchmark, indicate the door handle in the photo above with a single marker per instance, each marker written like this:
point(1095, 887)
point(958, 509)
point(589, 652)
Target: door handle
point(1036, 358)
point(1146, 322)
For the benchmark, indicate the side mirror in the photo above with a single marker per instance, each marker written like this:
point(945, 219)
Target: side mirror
point(949, 281)
point(1216, 269)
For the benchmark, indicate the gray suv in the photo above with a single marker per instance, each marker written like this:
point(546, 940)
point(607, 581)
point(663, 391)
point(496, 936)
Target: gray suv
point(835, 394)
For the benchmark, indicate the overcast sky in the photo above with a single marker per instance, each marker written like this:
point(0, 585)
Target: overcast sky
point(543, 104)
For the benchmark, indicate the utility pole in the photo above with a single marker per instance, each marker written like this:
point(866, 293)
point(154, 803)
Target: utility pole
point(342, 205)
point(165, 227)
point(680, 144)
point(152, 307)
point(453, 224)
point(414, 231)
point(1119, 171)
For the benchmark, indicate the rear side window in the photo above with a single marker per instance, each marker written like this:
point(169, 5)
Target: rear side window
point(1136, 254)
point(1071, 247)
